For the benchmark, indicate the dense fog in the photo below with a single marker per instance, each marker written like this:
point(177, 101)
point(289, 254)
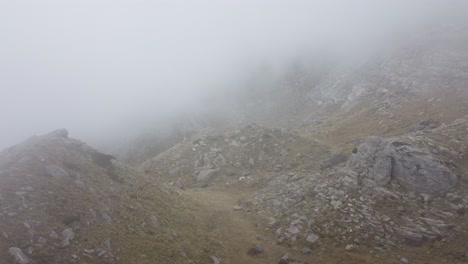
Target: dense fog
point(104, 68)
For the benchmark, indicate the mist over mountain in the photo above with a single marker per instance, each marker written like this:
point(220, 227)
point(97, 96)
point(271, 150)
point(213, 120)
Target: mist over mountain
point(287, 132)
point(98, 67)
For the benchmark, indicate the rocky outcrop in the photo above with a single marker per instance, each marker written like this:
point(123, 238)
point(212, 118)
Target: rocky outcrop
point(397, 159)
point(63, 133)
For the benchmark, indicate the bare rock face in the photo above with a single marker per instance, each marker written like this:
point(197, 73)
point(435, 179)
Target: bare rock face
point(385, 160)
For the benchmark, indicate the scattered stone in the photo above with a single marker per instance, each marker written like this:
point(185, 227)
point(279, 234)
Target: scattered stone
point(88, 251)
point(295, 177)
point(56, 172)
point(403, 260)
point(237, 207)
point(425, 125)
point(19, 256)
point(277, 168)
point(306, 250)
point(154, 221)
point(312, 238)
point(53, 234)
point(350, 247)
point(67, 235)
point(216, 260)
point(206, 175)
point(106, 218)
point(336, 204)
point(81, 185)
point(255, 250)
point(108, 244)
point(293, 230)
point(286, 260)
point(411, 237)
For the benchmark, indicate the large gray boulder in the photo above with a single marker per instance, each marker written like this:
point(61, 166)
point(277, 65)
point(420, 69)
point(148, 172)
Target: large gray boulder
point(397, 159)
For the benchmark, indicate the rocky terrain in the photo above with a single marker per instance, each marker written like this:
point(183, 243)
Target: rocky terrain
point(363, 163)
point(376, 173)
point(398, 199)
point(64, 202)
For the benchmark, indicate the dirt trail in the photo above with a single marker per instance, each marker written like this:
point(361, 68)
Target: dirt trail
point(236, 232)
point(234, 229)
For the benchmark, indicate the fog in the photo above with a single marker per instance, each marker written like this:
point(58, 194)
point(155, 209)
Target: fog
point(106, 68)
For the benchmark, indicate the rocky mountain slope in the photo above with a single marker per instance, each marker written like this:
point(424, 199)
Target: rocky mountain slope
point(367, 164)
point(64, 202)
point(370, 165)
point(394, 199)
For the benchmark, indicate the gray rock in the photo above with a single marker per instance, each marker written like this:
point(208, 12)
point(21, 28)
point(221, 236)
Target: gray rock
point(286, 260)
point(108, 244)
point(219, 161)
point(382, 169)
point(411, 237)
point(312, 238)
point(80, 185)
point(107, 218)
point(403, 260)
point(205, 175)
point(336, 204)
point(216, 260)
point(425, 125)
point(20, 257)
point(255, 250)
point(67, 235)
point(395, 159)
point(56, 172)
point(418, 170)
point(101, 252)
point(277, 168)
point(293, 230)
point(154, 221)
point(53, 234)
point(350, 247)
point(333, 160)
point(63, 133)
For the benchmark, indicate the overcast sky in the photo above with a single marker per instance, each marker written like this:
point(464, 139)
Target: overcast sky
point(96, 65)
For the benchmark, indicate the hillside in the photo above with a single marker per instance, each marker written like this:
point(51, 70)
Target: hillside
point(64, 202)
point(368, 163)
point(359, 160)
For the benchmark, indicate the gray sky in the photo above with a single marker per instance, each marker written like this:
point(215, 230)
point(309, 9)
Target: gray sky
point(97, 65)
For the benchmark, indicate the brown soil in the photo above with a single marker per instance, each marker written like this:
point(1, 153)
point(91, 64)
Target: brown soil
point(235, 230)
